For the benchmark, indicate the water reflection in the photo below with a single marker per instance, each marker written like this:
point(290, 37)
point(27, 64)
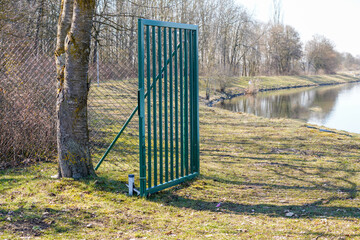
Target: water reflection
point(332, 106)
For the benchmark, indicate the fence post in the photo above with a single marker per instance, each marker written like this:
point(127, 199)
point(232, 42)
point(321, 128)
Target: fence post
point(196, 102)
point(141, 108)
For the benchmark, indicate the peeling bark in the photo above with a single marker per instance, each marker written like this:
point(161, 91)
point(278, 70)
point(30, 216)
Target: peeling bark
point(72, 59)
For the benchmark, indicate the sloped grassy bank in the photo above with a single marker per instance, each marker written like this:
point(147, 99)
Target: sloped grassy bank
point(260, 179)
point(237, 86)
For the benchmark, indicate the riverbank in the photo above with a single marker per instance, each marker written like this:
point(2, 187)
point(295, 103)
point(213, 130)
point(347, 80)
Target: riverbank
point(260, 179)
point(238, 86)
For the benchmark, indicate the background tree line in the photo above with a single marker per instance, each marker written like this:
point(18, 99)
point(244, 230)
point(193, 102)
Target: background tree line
point(231, 41)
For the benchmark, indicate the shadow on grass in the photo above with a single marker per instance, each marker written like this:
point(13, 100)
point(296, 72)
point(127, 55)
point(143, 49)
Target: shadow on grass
point(340, 188)
point(316, 209)
point(30, 220)
point(307, 178)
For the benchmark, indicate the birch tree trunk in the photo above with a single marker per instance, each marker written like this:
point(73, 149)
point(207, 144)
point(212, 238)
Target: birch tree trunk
point(72, 59)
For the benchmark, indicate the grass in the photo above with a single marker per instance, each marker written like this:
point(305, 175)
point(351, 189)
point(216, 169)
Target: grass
point(110, 105)
point(274, 179)
point(260, 179)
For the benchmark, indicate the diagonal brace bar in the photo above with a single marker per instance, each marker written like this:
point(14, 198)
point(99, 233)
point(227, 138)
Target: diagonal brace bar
point(134, 111)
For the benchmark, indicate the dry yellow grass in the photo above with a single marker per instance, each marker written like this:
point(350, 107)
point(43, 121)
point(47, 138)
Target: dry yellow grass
point(260, 179)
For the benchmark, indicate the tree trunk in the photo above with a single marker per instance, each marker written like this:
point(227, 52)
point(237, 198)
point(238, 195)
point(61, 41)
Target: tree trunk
point(72, 59)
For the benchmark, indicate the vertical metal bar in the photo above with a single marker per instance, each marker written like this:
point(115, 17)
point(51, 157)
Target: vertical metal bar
point(171, 107)
point(181, 105)
point(191, 95)
point(176, 106)
point(154, 102)
point(193, 103)
point(141, 108)
point(160, 107)
point(148, 75)
point(186, 104)
point(166, 110)
point(196, 102)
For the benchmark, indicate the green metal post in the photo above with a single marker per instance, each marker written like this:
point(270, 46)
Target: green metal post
point(171, 108)
point(154, 102)
point(148, 87)
point(181, 81)
point(176, 107)
point(141, 108)
point(186, 105)
point(191, 104)
point(160, 108)
point(166, 110)
point(196, 103)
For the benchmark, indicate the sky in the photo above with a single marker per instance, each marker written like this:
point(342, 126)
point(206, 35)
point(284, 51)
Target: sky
point(337, 20)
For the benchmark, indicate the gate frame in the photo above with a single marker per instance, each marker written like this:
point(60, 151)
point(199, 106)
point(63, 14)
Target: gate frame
point(194, 106)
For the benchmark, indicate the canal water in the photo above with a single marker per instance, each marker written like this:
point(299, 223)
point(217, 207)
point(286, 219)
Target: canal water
point(336, 106)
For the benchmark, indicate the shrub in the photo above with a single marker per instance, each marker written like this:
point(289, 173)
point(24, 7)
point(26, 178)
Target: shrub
point(27, 105)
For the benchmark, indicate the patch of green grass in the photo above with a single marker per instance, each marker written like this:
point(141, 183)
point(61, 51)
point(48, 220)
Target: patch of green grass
point(273, 178)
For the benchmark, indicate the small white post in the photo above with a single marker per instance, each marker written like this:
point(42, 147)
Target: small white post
point(131, 184)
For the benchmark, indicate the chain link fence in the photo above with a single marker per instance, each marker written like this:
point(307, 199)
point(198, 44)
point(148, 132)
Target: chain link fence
point(112, 99)
point(28, 102)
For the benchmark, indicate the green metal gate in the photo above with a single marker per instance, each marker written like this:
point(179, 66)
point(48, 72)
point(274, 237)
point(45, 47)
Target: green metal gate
point(168, 104)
